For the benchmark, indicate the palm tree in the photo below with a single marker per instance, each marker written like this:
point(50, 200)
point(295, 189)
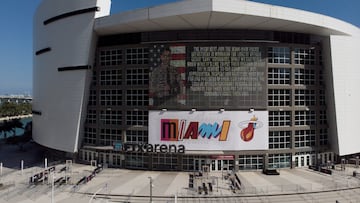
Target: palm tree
point(6, 128)
point(10, 126)
point(21, 140)
point(2, 128)
point(15, 123)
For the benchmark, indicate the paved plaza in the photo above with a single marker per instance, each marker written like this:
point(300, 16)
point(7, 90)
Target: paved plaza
point(120, 185)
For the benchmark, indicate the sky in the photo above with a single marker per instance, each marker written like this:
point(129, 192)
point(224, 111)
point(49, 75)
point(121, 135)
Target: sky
point(16, 32)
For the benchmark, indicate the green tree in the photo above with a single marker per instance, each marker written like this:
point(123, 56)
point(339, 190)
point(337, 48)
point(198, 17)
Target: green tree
point(15, 123)
point(14, 109)
point(21, 140)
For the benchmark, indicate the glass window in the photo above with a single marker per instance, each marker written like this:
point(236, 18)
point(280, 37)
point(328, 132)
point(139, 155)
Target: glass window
point(137, 97)
point(111, 97)
point(305, 97)
point(110, 77)
point(94, 78)
point(137, 136)
point(305, 118)
point(91, 116)
point(305, 76)
point(90, 136)
point(92, 98)
point(109, 136)
point(304, 56)
point(164, 161)
point(279, 76)
point(279, 55)
point(322, 97)
point(305, 138)
point(137, 160)
point(188, 163)
point(250, 162)
point(323, 137)
point(279, 139)
point(279, 160)
point(110, 117)
point(137, 56)
point(279, 97)
point(280, 118)
point(320, 58)
point(137, 76)
point(137, 118)
point(323, 119)
point(110, 57)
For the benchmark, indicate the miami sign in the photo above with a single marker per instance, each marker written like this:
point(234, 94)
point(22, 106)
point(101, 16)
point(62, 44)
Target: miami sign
point(210, 130)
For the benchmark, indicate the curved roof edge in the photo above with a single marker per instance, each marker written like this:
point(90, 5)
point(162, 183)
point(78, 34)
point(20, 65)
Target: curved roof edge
point(214, 14)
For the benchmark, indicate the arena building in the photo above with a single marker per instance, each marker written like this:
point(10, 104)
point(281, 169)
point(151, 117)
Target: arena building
point(195, 84)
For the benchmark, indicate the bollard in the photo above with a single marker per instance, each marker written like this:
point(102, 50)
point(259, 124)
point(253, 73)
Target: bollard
point(22, 167)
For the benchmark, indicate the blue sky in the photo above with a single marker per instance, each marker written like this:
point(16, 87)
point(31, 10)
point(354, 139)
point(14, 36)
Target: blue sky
point(16, 32)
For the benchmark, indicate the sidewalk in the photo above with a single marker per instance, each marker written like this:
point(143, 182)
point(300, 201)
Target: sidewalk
point(121, 185)
point(134, 186)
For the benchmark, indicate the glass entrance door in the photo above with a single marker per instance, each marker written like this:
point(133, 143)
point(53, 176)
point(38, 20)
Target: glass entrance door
point(222, 165)
point(198, 164)
point(302, 160)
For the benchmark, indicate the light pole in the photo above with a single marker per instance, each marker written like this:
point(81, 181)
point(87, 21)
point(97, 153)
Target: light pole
point(52, 186)
point(151, 180)
point(22, 167)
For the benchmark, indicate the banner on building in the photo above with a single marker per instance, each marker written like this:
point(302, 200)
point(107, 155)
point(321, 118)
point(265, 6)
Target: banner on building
point(210, 130)
point(209, 76)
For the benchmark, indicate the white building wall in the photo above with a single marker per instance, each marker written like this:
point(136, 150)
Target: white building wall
point(61, 97)
point(346, 93)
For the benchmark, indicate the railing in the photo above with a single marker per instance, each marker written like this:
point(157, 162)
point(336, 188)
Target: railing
point(299, 188)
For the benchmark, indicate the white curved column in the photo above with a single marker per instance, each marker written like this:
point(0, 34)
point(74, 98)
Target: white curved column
point(63, 37)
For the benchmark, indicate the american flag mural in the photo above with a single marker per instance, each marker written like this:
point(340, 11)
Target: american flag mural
point(167, 74)
point(154, 56)
point(178, 60)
